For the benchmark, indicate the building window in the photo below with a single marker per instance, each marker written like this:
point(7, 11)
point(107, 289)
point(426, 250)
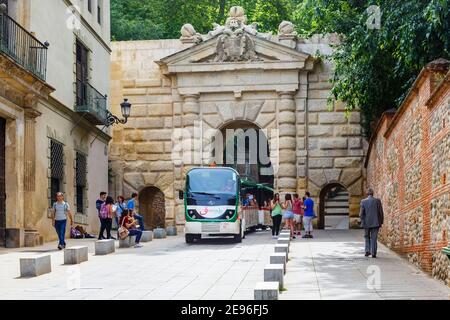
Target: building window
point(99, 12)
point(82, 73)
point(56, 168)
point(80, 181)
point(89, 3)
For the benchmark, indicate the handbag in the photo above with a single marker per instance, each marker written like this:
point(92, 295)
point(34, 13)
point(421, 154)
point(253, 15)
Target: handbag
point(123, 232)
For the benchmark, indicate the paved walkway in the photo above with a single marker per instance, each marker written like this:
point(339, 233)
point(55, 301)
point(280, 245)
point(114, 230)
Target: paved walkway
point(333, 266)
point(330, 266)
point(162, 269)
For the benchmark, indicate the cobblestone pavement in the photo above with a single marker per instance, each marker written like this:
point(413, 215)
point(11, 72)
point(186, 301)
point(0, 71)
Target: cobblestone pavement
point(331, 266)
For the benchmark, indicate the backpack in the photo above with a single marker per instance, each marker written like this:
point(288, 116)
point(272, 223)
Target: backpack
point(75, 233)
point(104, 213)
point(66, 207)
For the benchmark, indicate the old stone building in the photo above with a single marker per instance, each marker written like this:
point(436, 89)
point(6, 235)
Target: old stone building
point(235, 77)
point(54, 67)
point(408, 165)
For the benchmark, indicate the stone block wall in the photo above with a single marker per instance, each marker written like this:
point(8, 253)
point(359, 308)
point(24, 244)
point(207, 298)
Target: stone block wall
point(140, 152)
point(319, 144)
point(408, 166)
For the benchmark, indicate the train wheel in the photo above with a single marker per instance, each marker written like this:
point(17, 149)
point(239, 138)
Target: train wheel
point(189, 238)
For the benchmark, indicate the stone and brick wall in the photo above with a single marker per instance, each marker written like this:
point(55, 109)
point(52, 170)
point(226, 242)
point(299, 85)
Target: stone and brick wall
point(408, 166)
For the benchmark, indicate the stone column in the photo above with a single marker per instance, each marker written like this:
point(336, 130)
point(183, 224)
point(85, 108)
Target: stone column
point(29, 177)
point(190, 120)
point(287, 171)
point(191, 125)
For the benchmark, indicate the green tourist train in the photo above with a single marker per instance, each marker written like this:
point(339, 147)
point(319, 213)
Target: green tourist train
point(213, 204)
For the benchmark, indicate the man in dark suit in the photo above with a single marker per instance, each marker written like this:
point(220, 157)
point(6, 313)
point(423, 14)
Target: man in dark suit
point(372, 217)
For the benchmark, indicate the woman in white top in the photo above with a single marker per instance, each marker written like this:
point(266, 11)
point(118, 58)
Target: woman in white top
point(60, 213)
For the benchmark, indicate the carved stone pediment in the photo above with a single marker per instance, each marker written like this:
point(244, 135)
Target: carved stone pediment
point(232, 52)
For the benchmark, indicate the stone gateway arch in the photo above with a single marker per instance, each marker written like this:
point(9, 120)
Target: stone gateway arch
point(185, 90)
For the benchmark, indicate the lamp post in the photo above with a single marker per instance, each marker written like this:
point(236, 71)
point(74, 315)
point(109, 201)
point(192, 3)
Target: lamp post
point(125, 108)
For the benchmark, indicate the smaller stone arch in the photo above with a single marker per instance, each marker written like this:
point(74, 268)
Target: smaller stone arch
point(152, 206)
point(334, 204)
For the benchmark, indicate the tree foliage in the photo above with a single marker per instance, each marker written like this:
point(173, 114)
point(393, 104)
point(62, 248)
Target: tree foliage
point(163, 19)
point(375, 68)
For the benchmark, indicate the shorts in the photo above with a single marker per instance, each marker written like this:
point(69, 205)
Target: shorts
point(298, 218)
point(307, 224)
point(288, 215)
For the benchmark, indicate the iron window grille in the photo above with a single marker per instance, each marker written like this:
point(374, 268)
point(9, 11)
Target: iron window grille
point(56, 168)
point(80, 181)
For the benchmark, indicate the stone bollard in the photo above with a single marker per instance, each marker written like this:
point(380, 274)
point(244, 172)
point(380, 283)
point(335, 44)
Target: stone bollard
point(274, 272)
point(283, 248)
point(266, 290)
point(279, 258)
point(147, 236)
point(285, 234)
point(159, 233)
point(103, 247)
point(33, 267)
point(75, 255)
point(127, 242)
point(171, 231)
point(283, 240)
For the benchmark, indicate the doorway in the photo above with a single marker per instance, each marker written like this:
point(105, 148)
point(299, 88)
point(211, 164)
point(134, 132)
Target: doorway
point(246, 149)
point(334, 208)
point(152, 207)
point(2, 183)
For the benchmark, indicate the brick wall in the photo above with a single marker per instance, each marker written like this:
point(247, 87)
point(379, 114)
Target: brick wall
point(408, 166)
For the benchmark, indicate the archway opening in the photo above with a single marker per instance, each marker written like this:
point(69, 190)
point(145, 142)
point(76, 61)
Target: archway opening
point(152, 207)
point(245, 147)
point(334, 208)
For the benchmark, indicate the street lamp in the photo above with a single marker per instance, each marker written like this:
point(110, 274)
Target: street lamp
point(125, 107)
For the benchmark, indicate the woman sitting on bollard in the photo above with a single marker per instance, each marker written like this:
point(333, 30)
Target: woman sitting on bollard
point(128, 222)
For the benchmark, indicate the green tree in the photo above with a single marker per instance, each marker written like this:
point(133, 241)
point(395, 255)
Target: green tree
point(375, 68)
point(163, 19)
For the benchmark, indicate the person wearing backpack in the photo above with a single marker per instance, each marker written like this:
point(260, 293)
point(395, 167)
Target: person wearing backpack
point(60, 213)
point(106, 216)
point(98, 204)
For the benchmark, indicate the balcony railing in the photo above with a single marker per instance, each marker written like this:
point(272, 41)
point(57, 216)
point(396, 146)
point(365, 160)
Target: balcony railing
point(91, 103)
point(22, 47)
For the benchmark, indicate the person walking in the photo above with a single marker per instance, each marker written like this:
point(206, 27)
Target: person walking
point(131, 206)
point(309, 215)
point(298, 214)
point(289, 214)
point(60, 213)
point(98, 204)
point(106, 216)
point(372, 218)
point(130, 223)
point(276, 214)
